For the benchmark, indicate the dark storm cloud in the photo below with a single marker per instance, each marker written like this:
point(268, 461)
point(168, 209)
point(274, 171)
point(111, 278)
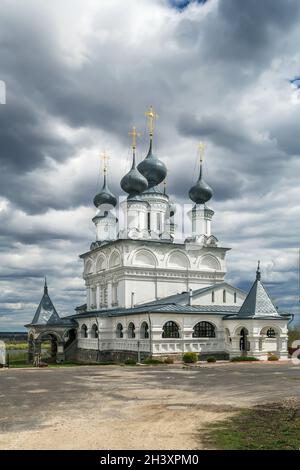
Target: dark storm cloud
point(250, 32)
point(219, 129)
point(26, 140)
point(70, 91)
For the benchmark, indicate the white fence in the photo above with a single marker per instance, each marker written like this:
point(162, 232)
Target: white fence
point(163, 346)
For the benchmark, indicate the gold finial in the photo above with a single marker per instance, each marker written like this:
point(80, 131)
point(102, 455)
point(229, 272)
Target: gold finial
point(201, 150)
point(104, 157)
point(134, 134)
point(151, 116)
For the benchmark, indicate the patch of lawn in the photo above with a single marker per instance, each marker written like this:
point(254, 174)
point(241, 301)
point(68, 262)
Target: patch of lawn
point(268, 427)
point(16, 346)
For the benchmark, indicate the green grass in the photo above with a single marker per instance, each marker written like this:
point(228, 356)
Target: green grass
point(14, 345)
point(268, 427)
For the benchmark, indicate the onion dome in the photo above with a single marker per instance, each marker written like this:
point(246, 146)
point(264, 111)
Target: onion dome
point(105, 196)
point(153, 169)
point(201, 192)
point(133, 182)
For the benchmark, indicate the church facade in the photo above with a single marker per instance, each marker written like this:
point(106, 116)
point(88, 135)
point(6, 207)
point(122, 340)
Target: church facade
point(151, 293)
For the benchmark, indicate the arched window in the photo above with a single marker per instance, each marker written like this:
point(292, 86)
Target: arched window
point(224, 296)
point(88, 267)
point(213, 296)
point(170, 330)
point(84, 331)
point(271, 333)
point(148, 221)
point(234, 297)
point(114, 260)
point(94, 331)
point(119, 330)
point(144, 330)
point(131, 330)
point(204, 329)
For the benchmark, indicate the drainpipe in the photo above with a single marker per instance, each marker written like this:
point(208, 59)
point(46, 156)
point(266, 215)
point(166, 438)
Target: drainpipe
point(150, 334)
point(190, 296)
point(290, 321)
point(138, 351)
point(132, 299)
point(98, 351)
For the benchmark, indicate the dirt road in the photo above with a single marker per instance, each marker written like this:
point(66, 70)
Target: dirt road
point(111, 407)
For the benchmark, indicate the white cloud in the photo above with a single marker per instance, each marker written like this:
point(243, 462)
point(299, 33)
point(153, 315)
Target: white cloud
point(90, 71)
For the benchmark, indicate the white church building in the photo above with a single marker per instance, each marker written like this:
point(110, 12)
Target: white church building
point(149, 293)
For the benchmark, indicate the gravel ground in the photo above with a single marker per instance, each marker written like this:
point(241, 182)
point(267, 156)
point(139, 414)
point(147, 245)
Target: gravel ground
point(143, 407)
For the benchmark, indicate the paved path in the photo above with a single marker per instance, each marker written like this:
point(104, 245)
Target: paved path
point(110, 407)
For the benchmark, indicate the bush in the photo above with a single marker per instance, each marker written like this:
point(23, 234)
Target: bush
point(190, 357)
point(150, 361)
point(130, 362)
point(243, 359)
point(273, 358)
point(169, 360)
point(211, 359)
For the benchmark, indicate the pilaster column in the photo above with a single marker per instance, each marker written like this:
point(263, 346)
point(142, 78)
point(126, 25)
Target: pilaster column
point(98, 296)
point(188, 332)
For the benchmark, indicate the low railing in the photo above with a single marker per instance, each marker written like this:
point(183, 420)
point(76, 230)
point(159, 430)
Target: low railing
point(163, 346)
point(182, 346)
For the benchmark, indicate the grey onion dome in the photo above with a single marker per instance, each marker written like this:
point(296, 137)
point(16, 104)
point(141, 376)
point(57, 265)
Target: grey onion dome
point(105, 196)
point(153, 169)
point(133, 182)
point(201, 192)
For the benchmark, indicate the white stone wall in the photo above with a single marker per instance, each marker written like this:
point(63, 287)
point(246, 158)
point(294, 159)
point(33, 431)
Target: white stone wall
point(227, 337)
point(151, 270)
point(260, 344)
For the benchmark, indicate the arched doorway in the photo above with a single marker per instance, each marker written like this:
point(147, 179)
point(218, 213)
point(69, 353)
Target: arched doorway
point(70, 336)
point(244, 341)
point(46, 348)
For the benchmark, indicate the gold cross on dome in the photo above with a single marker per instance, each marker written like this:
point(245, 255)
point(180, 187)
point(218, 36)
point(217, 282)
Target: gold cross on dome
point(104, 157)
point(201, 150)
point(134, 134)
point(151, 116)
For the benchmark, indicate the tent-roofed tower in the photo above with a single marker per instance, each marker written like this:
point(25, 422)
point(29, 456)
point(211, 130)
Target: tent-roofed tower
point(258, 303)
point(259, 328)
point(47, 325)
point(46, 313)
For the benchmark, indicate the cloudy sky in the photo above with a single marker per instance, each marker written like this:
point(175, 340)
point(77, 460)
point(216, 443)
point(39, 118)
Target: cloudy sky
point(80, 73)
